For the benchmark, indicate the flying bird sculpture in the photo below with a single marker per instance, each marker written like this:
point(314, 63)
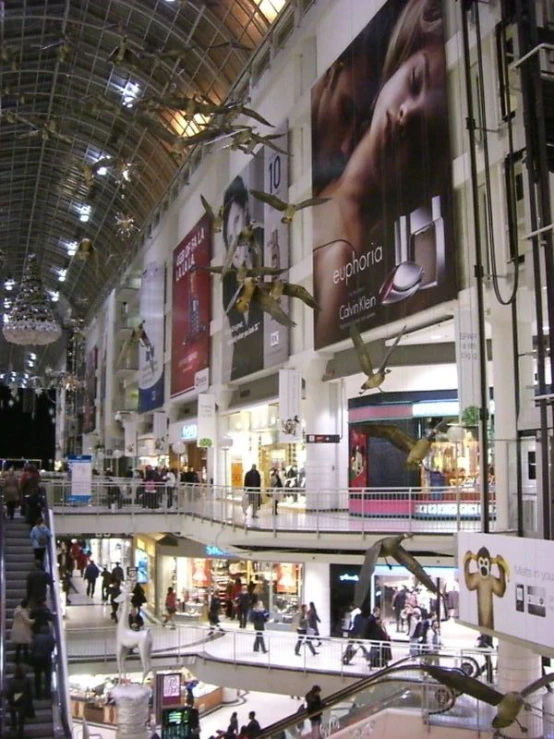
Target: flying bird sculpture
point(375, 378)
point(241, 273)
point(390, 546)
point(246, 237)
point(247, 140)
point(138, 336)
point(279, 287)
point(289, 209)
point(216, 218)
point(47, 131)
point(508, 704)
point(254, 291)
point(416, 449)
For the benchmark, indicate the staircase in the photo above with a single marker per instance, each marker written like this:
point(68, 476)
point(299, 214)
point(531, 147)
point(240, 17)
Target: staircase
point(18, 561)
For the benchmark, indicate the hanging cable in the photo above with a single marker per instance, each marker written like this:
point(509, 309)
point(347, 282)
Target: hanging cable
point(490, 245)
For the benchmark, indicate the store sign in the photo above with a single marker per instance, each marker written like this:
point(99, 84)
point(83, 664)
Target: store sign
point(189, 432)
point(81, 478)
point(212, 551)
point(176, 723)
point(322, 438)
point(507, 586)
point(290, 399)
point(348, 578)
point(206, 420)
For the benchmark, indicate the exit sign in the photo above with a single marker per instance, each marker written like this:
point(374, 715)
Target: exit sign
point(322, 438)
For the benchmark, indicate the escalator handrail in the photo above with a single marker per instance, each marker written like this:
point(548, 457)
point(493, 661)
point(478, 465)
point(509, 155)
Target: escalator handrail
point(402, 665)
point(60, 664)
point(2, 613)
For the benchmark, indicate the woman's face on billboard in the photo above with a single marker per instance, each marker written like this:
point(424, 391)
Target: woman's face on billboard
point(410, 121)
point(333, 112)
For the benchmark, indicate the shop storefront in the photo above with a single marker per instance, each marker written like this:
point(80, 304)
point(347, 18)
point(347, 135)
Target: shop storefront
point(444, 486)
point(195, 571)
point(255, 441)
point(107, 551)
point(185, 454)
point(385, 583)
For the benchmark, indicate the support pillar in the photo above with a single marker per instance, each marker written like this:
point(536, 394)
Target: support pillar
point(517, 668)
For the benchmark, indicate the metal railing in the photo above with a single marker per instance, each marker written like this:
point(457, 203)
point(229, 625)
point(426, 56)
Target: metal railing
point(363, 510)
point(236, 646)
point(2, 614)
point(61, 705)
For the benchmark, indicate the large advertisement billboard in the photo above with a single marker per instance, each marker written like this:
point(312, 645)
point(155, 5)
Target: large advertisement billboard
point(382, 244)
point(151, 352)
point(192, 310)
point(507, 586)
point(253, 340)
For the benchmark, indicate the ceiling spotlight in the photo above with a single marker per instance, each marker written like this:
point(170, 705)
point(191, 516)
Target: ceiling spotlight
point(62, 274)
point(9, 284)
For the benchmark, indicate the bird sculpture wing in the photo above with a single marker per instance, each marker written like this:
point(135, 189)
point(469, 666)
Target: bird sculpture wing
point(207, 207)
point(231, 251)
point(396, 436)
point(310, 202)
point(250, 114)
point(542, 682)
point(408, 561)
point(361, 350)
point(124, 351)
point(272, 200)
point(272, 306)
point(234, 299)
point(268, 141)
point(385, 362)
point(440, 428)
point(300, 292)
point(460, 682)
point(364, 579)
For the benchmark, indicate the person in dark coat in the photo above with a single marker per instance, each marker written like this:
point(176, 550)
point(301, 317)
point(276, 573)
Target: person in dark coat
point(314, 708)
point(259, 617)
point(253, 483)
point(213, 614)
point(41, 616)
point(91, 576)
point(136, 621)
point(253, 727)
point(106, 576)
point(244, 602)
point(138, 599)
point(19, 694)
point(38, 582)
point(398, 604)
point(115, 591)
point(42, 648)
point(117, 573)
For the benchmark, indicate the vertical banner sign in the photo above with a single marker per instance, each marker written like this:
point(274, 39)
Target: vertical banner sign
point(276, 245)
point(151, 352)
point(191, 311)
point(207, 427)
point(467, 349)
point(290, 402)
point(89, 416)
point(253, 340)
point(383, 243)
point(81, 478)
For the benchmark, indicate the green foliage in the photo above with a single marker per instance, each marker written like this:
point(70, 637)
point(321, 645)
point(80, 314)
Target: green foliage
point(471, 416)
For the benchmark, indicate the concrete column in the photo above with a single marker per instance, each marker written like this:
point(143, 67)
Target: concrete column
point(505, 417)
point(317, 589)
point(517, 668)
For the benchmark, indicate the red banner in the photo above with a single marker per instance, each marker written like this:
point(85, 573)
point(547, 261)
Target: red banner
point(190, 332)
point(358, 471)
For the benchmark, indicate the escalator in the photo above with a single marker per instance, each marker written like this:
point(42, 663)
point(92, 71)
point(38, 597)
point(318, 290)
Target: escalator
point(402, 685)
point(16, 559)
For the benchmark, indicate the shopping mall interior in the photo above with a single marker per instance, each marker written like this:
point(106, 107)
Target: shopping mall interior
point(276, 366)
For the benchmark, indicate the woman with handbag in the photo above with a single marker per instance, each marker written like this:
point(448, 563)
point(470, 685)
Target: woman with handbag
point(170, 608)
point(19, 693)
point(21, 633)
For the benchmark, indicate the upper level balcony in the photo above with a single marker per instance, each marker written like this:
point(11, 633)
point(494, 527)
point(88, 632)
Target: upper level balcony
point(307, 519)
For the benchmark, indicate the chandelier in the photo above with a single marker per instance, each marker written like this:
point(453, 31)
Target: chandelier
point(31, 321)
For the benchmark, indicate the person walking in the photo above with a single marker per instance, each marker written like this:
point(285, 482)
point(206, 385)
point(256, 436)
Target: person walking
point(170, 608)
point(91, 576)
point(115, 591)
point(38, 582)
point(82, 560)
point(117, 573)
point(244, 602)
point(42, 648)
point(302, 631)
point(20, 700)
point(253, 484)
point(276, 486)
point(398, 604)
point(21, 633)
point(259, 617)
point(313, 621)
point(415, 633)
point(106, 576)
point(314, 708)
point(213, 614)
point(11, 493)
point(40, 535)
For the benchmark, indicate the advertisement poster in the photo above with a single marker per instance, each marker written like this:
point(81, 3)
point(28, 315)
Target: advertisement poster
point(81, 478)
point(358, 470)
point(383, 244)
point(286, 580)
point(253, 340)
point(89, 415)
point(207, 424)
point(290, 402)
point(151, 352)
point(507, 586)
point(192, 310)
